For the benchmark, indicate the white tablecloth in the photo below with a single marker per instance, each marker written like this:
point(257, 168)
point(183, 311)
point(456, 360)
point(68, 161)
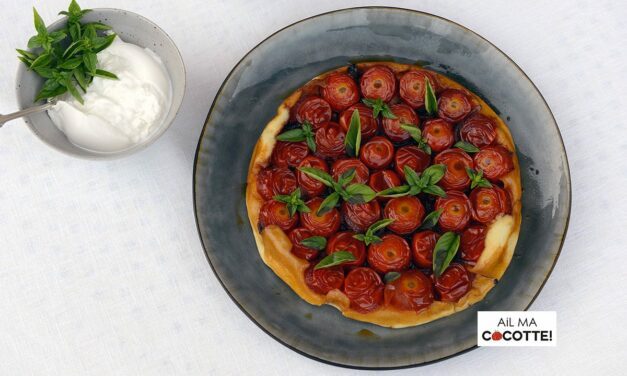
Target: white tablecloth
point(101, 269)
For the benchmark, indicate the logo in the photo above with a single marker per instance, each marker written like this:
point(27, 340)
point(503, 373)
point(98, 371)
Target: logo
point(517, 328)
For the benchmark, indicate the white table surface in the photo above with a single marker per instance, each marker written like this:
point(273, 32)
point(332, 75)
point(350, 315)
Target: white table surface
point(101, 268)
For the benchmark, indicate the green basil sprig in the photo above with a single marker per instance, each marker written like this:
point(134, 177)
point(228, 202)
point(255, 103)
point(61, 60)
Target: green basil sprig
point(466, 146)
point(314, 242)
point(304, 133)
point(335, 258)
point(379, 106)
point(477, 179)
point(294, 202)
point(431, 102)
point(416, 134)
point(444, 251)
point(430, 220)
point(390, 277)
point(369, 237)
point(352, 141)
point(417, 183)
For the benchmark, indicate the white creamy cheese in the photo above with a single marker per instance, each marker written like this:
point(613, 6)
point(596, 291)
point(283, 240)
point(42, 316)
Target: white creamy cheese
point(117, 114)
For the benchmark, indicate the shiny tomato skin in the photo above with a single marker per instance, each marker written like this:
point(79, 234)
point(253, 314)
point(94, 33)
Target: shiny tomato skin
point(439, 134)
point(378, 82)
point(343, 165)
point(412, 291)
point(411, 156)
point(369, 125)
point(456, 161)
point(472, 243)
point(289, 154)
point(276, 213)
point(456, 211)
point(298, 234)
point(392, 254)
point(407, 213)
point(454, 283)
point(377, 153)
point(364, 289)
point(382, 180)
point(478, 130)
point(314, 110)
point(495, 161)
point(358, 217)
point(330, 140)
point(325, 225)
point(273, 181)
point(412, 87)
point(422, 244)
point(404, 115)
point(344, 241)
point(340, 91)
point(488, 203)
point(323, 280)
point(454, 105)
point(311, 187)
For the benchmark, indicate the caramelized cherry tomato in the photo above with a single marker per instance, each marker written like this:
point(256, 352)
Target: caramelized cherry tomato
point(479, 130)
point(382, 180)
point(342, 165)
point(439, 134)
point(391, 254)
point(323, 280)
point(314, 110)
point(422, 244)
point(377, 153)
point(412, 157)
point(273, 181)
point(488, 203)
point(456, 211)
point(276, 213)
point(310, 186)
point(456, 161)
point(330, 140)
point(472, 243)
point(289, 154)
point(359, 217)
point(340, 90)
point(364, 289)
point(453, 283)
point(323, 225)
point(300, 250)
point(412, 291)
point(453, 105)
point(407, 213)
point(495, 161)
point(412, 87)
point(378, 82)
point(344, 241)
point(369, 125)
point(404, 115)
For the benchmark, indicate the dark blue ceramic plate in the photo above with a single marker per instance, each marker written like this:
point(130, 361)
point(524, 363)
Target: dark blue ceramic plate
point(248, 99)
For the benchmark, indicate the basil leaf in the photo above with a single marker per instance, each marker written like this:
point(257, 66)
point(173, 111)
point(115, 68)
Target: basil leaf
point(387, 112)
point(314, 242)
point(293, 135)
point(435, 173)
point(29, 55)
point(360, 193)
point(400, 191)
point(413, 131)
point(376, 107)
point(383, 223)
point(99, 26)
point(391, 276)
point(444, 251)
point(90, 60)
point(40, 26)
point(352, 141)
point(42, 60)
point(431, 220)
point(328, 203)
point(431, 103)
point(360, 237)
point(71, 63)
point(51, 89)
point(347, 176)
point(45, 72)
point(34, 42)
point(318, 174)
point(411, 176)
point(466, 146)
point(484, 183)
point(103, 42)
point(477, 179)
point(79, 76)
point(434, 190)
point(67, 82)
point(335, 258)
point(105, 74)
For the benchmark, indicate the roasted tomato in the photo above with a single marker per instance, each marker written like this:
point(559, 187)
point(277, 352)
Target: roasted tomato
point(323, 280)
point(412, 87)
point(439, 134)
point(412, 291)
point(404, 115)
point(330, 140)
point(276, 213)
point(344, 241)
point(479, 130)
point(495, 161)
point(377, 153)
point(456, 161)
point(340, 90)
point(342, 165)
point(289, 154)
point(472, 243)
point(364, 289)
point(453, 105)
point(422, 244)
point(378, 82)
point(359, 217)
point(392, 254)
point(369, 125)
point(412, 157)
point(315, 110)
point(273, 181)
point(456, 211)
point(382, 180)
point(488, 203)
point(300, 250)
point(324, 225)
point(453, 283)
point(407, 213)
point(310, 186)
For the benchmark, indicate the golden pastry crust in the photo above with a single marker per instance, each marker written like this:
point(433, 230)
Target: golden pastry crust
point(275, 247)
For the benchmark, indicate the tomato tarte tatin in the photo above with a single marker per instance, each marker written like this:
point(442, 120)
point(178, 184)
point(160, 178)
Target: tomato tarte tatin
point(388, 191)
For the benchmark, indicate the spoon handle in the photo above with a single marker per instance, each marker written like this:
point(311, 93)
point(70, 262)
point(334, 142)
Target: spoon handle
point(26, 111)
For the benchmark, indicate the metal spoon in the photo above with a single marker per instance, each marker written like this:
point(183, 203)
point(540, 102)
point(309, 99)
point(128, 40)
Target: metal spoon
point(27, 111)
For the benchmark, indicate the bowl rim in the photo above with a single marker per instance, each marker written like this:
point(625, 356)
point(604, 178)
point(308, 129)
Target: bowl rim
point(383, 8)
point(103, 156)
